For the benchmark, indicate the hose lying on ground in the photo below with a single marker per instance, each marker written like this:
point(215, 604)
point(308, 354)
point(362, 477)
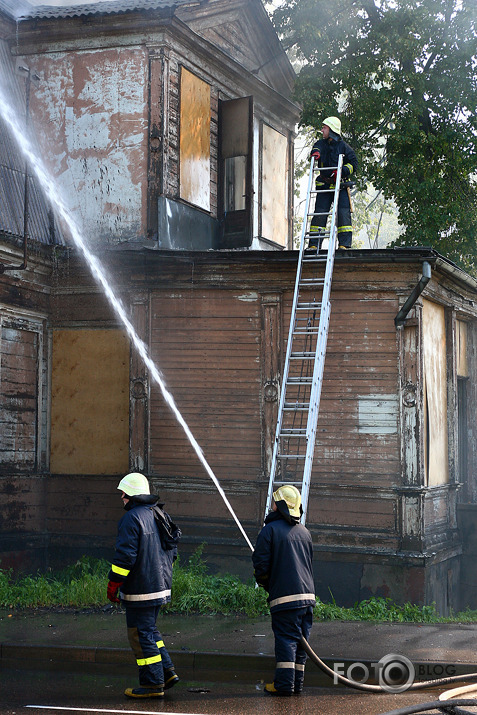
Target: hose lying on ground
point(377, 688)
point(445, 706)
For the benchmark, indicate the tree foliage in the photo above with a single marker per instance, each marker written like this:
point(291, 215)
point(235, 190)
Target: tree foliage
point(402, 75)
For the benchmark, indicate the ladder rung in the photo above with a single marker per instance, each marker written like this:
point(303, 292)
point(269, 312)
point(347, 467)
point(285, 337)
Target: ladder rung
point(312, 282)
point(306, 331)
point(300, 381)
point(297, 409)
point(309, 306)
point(293, 432)
point(314, 258)
point(302, 356)
point(279, 484)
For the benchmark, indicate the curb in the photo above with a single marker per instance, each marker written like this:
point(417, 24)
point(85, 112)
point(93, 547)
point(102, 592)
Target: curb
point(202, 666)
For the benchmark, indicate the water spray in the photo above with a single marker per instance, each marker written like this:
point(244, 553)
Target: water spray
point(99, 274)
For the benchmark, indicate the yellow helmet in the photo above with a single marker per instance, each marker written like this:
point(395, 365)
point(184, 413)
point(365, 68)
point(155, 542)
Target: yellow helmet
point(334, 124)
point(134, 484)
point(291, 496)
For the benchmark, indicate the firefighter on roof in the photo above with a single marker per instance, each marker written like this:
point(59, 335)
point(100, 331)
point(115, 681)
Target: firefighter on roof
point(325, 152)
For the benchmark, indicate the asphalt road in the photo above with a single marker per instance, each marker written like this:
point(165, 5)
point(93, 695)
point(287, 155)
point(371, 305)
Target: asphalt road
point(52, 692)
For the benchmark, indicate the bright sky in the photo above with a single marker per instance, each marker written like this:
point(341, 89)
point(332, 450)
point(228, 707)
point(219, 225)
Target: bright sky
point(14, 3)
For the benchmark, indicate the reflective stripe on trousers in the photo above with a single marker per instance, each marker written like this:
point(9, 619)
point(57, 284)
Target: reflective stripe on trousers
point(323, 203)
point(147, 644)
point(288, 627)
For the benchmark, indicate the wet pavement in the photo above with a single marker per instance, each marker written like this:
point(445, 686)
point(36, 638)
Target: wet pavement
point(35, 692)
point(81, 659)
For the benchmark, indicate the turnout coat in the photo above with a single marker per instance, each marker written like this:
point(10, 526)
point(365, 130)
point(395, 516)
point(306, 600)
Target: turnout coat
point(145, 552)
point(282, 563)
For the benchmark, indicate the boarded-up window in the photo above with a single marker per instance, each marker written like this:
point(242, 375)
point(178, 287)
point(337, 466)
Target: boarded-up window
point(18, 398)
point(274, 186)
point(461, 349)
point(435, 395)
point(195, 140)
point(90, 402)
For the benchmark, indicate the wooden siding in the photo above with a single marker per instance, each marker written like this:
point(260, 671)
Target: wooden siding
point(208, 346)
point(19, 397)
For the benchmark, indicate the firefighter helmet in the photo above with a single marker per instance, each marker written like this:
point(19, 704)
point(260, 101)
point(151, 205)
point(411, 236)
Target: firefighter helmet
point(291, 496)
point(134, 484)
point(334, 124)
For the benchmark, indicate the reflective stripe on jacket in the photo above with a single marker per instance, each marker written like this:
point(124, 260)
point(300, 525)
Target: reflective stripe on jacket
point(282, 563)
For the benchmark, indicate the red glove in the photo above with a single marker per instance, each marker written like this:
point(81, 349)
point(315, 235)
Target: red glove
point(334, 174)
point(112, 593)
point(315, 154)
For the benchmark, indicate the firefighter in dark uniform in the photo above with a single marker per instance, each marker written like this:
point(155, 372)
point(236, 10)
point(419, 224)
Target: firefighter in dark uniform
point(282, 563)
point(141, 573)
point(326, 151)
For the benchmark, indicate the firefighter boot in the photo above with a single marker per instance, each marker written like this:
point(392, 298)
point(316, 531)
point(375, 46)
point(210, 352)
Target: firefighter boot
point(170, 678)
point(153, 691)
point(270, 689)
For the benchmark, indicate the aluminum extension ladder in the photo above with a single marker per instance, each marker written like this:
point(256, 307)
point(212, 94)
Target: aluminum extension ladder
point(295, 436)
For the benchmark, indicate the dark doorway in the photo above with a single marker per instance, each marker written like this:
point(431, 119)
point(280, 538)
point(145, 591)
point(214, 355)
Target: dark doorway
point(235, 172)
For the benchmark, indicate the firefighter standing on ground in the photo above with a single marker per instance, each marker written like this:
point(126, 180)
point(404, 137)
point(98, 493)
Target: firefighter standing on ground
point(282, 563)
point(326, 151)
point(146, 547)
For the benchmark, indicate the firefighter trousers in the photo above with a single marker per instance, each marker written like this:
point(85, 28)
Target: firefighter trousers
point(148, 647)
point(288, 627)
point(323, 202)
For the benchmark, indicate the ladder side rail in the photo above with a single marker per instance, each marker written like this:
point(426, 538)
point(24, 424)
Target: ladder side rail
point(273, 466)
point(333, 232)
point(320, 355)
point(314, 410)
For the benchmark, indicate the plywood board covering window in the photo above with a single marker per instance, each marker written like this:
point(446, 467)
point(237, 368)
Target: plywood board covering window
point(195, 140)
point(461, 339)
point(274, 186)
point(435, 382)
point(90, 402)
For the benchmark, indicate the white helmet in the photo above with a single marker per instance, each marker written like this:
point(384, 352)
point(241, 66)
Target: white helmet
point(291, 496)
point(334, 123)
point(134, 484)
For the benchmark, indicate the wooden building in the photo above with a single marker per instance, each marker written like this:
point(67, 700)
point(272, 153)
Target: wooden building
point(393, 492)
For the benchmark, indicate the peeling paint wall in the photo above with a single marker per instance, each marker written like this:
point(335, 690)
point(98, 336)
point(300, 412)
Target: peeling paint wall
point(90, 115)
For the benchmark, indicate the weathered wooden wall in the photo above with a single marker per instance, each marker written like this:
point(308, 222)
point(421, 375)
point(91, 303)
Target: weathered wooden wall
point(24, 359)
point(216, 325)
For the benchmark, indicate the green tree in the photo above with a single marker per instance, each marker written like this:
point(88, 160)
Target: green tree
point(402, 75)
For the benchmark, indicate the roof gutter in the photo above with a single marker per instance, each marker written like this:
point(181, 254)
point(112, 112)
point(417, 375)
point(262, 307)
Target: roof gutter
point(400, 318)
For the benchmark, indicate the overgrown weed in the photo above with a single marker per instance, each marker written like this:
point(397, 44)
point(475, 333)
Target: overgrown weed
point(194, 590)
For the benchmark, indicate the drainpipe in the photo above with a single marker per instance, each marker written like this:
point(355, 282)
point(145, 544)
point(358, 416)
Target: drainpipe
point(400, 318)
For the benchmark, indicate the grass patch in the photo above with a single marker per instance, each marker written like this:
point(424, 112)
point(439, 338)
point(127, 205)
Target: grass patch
point(83, 585)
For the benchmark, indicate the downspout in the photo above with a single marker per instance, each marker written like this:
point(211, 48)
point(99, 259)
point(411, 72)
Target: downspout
point(400, 318)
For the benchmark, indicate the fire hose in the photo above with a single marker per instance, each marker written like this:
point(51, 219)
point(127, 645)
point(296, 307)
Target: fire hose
point(445, 706)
